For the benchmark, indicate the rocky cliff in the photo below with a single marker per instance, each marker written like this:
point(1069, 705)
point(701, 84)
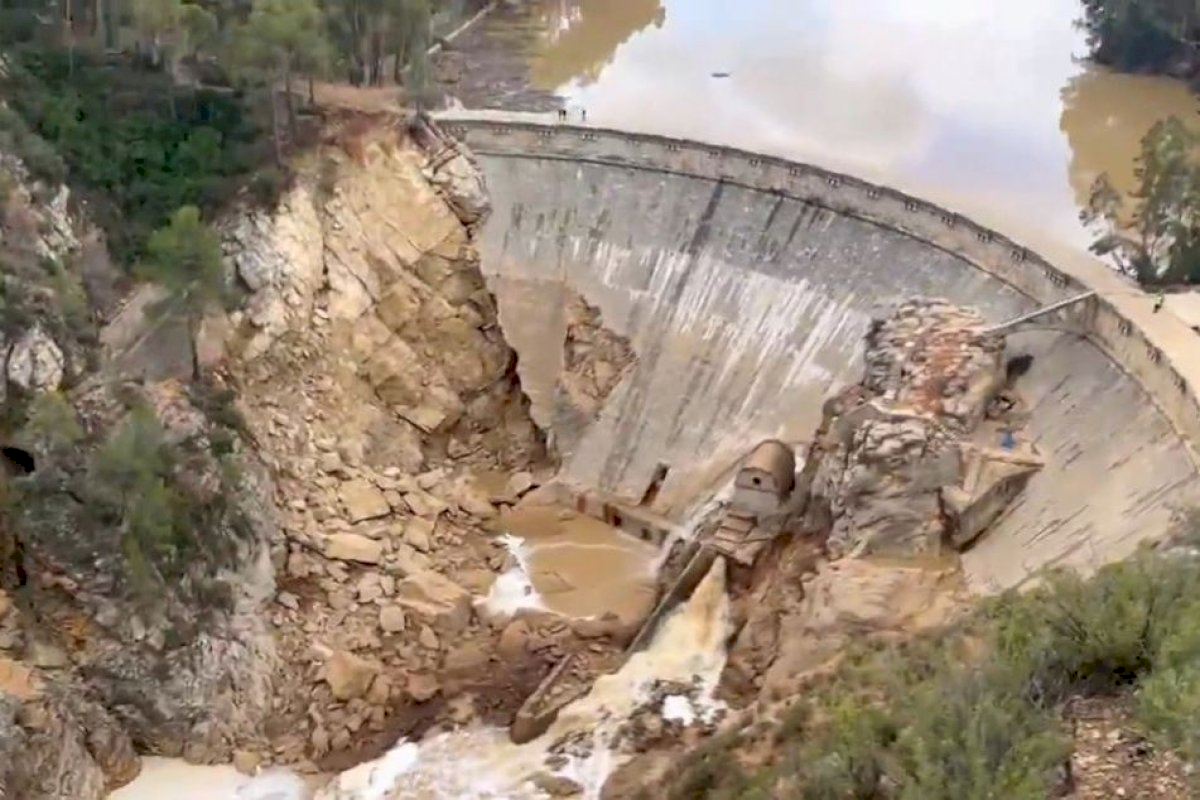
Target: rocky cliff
point(133, 542)
point(264, 543)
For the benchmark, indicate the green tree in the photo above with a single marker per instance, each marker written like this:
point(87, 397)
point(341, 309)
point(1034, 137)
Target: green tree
point(130, 481)
point(184, 257)
point(157, 23)
point(1154, 233)
point(412, 47)
point(1137, 35)
point(369, 32)
point(52, 425)
point(280, 39)
point(200, 28)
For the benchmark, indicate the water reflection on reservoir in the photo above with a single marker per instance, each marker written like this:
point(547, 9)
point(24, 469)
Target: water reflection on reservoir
point(985, 107)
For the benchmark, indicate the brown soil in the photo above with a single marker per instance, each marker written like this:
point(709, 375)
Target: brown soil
point(1112, 759)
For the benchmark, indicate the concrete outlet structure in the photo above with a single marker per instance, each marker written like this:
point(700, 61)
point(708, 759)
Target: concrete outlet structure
point(744, 285)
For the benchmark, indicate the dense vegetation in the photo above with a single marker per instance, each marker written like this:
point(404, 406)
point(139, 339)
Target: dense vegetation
point(137, 155)
point(977, 714)
point(1145, 35)
point(1154, 233)
point(152, 105)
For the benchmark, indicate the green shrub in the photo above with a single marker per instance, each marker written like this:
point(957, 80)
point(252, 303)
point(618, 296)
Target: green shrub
point(51, 424)
point(35, 152)
point(1169, 706)
point(846, 756)
point(130, 480)
point(711, 771)
point(1169, 699)
point(137, 145)
point(970, 736)
point(1095, 635)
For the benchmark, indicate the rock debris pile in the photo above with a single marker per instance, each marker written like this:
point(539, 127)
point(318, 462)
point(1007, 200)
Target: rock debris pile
point(919, 455)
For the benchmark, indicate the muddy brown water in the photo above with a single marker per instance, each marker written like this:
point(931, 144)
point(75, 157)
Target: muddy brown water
point(985, 107)
point(582, 567)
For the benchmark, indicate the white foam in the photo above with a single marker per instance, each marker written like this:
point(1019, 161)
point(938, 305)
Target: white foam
point(179, 780)
point(376, 780)
point(677, 708)
point(513, 590)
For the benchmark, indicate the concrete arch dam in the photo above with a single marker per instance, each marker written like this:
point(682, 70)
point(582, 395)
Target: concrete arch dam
point(744, 285)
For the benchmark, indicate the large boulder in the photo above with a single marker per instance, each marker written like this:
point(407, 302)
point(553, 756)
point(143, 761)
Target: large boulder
point(349, 676)
point(362, 500)
point(36, 363)
point(353, 547)
point(436, 599)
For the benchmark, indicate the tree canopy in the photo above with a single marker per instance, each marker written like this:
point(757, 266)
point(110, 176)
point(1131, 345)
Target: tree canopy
point(1144, 35)
point(1153, 234)
point(184, 257)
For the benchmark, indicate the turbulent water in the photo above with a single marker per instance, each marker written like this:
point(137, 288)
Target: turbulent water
point(480, 763)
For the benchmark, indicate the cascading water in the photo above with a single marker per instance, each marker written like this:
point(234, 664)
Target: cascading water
point(482, 764)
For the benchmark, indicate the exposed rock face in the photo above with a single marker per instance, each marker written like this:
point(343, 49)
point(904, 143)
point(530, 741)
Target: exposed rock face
point(188, 671)
point(35, 363)
point(452, 169)
point(373, 245)
point(595, 359)
point(377, 387)
point(891, 448)
point(104, 647)
point(55, 743)
point(853, 598)
point(47, 257)
point(37, 217)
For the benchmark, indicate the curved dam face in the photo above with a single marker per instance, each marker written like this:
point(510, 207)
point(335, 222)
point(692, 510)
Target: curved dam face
point(744, 286)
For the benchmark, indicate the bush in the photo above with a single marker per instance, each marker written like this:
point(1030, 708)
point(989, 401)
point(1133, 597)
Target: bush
point(846, 756)
point(35, 152)
point(1169, 699)
point(51, 424)
point(973, 714)
point(711, 771)
point(1095, 635)
point(139, 146)
point(130, 480)
point(970, 736)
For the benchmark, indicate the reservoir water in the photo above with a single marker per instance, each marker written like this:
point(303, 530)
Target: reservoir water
point(987, 108)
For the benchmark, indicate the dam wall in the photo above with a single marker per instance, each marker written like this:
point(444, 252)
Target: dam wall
point(745, 283)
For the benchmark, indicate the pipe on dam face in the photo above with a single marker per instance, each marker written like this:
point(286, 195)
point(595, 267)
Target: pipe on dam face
point(744, 285)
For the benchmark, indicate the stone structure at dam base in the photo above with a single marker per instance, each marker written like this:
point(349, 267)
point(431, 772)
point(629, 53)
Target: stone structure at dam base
point(744, 284)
